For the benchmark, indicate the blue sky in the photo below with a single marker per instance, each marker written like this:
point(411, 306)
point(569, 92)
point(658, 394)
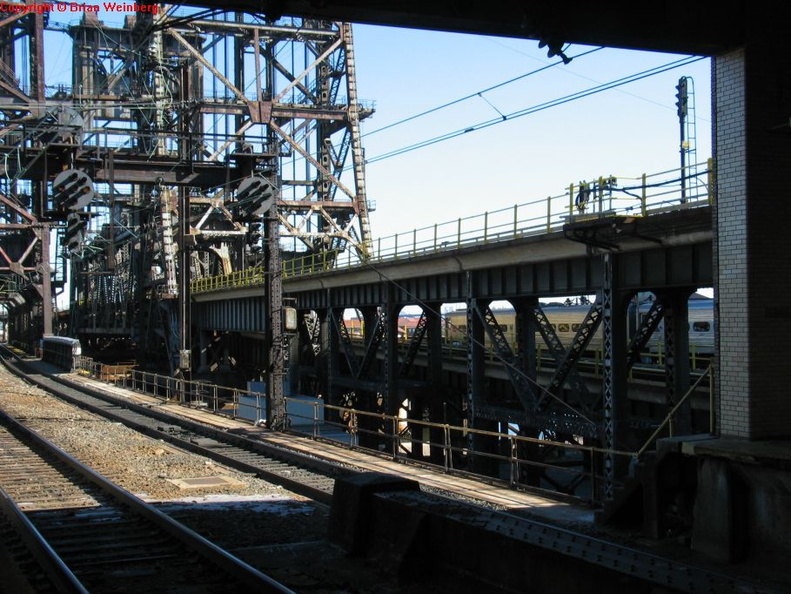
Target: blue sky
point(626, 131)
point(623, 132)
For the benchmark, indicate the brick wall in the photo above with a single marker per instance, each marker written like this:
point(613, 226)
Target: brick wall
point(731, 158)
point(754, 240)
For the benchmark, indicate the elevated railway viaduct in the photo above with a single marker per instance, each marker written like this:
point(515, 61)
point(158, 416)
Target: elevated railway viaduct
point(750, 266)
point(741, 475)
point(667, 253)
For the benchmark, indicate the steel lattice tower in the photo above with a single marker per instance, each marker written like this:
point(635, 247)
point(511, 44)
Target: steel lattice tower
point(174, 113)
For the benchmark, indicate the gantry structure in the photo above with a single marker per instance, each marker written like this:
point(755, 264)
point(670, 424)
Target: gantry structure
point(189, 143)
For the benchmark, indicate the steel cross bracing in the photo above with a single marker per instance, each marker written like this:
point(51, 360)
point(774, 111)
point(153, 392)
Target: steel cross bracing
point(505, 354)
point(24, 229)
point(172, 101)
point(377, 336)
point(561, 420)
point(648, 325)
point(564, 369)
point(415, 341)
point(565, 361)
point(346, 341)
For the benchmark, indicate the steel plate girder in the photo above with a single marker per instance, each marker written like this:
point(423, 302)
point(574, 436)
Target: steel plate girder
point(640, 270)
point(231, 315)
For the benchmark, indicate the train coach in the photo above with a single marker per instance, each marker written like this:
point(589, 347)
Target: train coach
point(566, 320)
point(700, 312)
point(61, 351)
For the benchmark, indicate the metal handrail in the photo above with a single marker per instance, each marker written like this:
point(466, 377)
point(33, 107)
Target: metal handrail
point(647, 194)
point(672, 413)
point(354, 428)
point(208, 396)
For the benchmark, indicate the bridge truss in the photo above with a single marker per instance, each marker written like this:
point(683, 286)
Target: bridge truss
point(189, 143)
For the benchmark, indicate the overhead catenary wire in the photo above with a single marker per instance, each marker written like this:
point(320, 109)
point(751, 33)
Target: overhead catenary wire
point(524, 111)
point(477, 93)
point(539, 107)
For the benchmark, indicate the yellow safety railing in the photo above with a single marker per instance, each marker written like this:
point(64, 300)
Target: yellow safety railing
point(638, 196)
point(349, 426)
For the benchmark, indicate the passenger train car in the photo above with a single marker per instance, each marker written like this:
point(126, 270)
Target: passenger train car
point(701, 327)
point(566, 321)
point(60, 350)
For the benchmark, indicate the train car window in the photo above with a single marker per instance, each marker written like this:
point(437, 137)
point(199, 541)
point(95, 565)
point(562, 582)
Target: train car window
point(575, 327)
point(503, 327)
point(701, 327)
point(563, 328)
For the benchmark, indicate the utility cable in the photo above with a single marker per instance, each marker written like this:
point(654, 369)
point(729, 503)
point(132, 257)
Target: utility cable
point(540, 107)
point(477, 94)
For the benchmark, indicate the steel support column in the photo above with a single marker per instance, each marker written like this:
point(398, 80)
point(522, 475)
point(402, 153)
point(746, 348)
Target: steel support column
point(436, 397)
point(476, 382)
point(276, 417)
point(614, 387)
point(525, 329)
point(46, 281)
point(331, 349)
point(676, 306)
point(391, 399)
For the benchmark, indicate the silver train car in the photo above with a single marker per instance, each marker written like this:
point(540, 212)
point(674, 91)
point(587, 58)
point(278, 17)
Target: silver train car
point(61, 351)
point(566, 321)
point(700, 312)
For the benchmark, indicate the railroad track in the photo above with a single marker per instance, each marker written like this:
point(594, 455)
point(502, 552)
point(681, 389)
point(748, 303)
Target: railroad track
point(311, 477)
point(315, 478)
point(69, 529)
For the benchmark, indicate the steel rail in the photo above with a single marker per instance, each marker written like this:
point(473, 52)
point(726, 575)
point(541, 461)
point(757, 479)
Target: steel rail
point(273, 464)
point(61, 577)
point(214, 554)
point(625, 559)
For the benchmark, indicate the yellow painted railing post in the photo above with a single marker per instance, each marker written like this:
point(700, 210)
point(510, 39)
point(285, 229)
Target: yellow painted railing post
point(645, 195)
point(601, 195)
point(571, 199)
point(516, 220)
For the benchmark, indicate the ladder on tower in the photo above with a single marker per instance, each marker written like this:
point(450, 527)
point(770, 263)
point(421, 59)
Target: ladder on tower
point(356, 142)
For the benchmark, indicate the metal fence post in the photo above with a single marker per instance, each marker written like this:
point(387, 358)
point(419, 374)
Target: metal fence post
point(516, 220)
point(514, 461)
point(549, 213)
point(644, 196)
point(446, 448)
point(396, 438)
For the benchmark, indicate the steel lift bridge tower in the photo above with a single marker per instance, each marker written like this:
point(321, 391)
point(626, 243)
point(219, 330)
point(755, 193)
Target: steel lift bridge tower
point(191, 143)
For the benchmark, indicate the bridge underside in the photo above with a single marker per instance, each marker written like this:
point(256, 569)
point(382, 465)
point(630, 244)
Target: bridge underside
point(743, 257)
point(485, 351)
point(674, 26)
